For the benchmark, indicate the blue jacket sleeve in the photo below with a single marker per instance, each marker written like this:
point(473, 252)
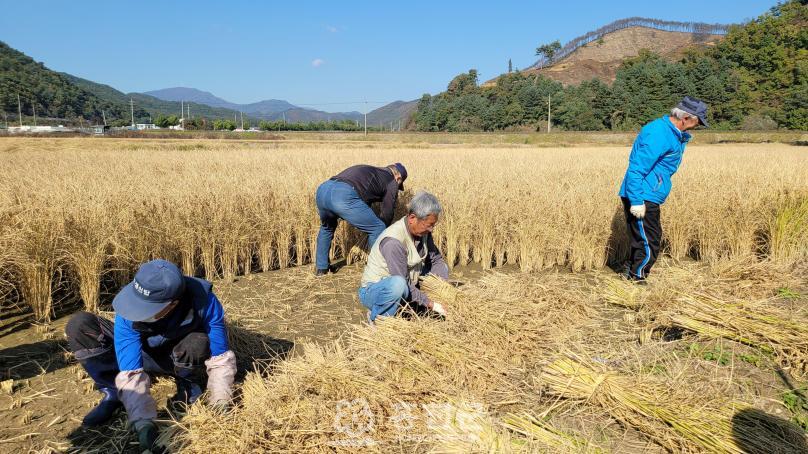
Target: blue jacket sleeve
point(128, 346)
point(214, 326)
point(645, 153)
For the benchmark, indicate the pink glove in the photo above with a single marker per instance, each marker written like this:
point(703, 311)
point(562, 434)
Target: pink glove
point(133, 390)
point(221, 372)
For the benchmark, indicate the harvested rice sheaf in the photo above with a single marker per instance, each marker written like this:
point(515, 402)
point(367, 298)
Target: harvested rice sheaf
point(355, 393)
point(663, 414)
point(759, 324)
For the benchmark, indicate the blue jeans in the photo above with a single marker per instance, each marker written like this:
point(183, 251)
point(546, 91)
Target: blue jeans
point(383, 298)
point(338, 200)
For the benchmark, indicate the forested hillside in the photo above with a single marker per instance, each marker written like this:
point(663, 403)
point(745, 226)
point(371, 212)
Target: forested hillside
point(755, 78)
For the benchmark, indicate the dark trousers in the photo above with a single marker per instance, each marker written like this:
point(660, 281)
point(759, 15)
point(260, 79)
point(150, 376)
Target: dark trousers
point(90, 337)
point(645, 237)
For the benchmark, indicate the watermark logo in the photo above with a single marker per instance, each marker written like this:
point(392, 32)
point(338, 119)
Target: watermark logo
point(355, 421)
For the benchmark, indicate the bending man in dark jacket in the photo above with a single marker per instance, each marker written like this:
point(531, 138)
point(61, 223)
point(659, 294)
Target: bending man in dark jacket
point(348, 196)
point(165, 323)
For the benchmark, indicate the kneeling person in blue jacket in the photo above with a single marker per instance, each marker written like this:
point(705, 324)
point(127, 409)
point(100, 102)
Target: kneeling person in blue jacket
point(655, 157)
point(165, 323)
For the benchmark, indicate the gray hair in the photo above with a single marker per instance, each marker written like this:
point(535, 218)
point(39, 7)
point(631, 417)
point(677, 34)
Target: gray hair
point(423, 204)
point(681, 114)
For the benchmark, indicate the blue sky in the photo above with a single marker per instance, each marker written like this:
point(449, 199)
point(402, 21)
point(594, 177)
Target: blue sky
point(319, 53)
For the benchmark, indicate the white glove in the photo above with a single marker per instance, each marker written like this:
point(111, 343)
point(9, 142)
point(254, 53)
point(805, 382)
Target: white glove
point(221, 372)
point(638, 211)
point(438, 307)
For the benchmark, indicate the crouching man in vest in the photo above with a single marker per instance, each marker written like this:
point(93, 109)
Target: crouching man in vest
point(402, 253)
point(165, 323)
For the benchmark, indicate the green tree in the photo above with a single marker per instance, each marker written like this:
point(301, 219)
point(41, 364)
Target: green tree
point(548, 51)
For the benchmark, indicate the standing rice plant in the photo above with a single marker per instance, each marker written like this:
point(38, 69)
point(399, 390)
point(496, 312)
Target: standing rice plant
point(554, 207)
point(40, 259)
point(788, 229)
point(88, 245)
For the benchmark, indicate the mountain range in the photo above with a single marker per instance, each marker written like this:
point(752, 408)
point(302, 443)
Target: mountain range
point(276, 109)
point(57, 97)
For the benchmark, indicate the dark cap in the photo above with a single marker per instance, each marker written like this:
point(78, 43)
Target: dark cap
point(156, 285)
point(401, 171)
point(695, 107)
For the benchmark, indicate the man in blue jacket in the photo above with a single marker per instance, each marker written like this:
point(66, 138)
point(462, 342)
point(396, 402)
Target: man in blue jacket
point(655, 157)
point(165, 323)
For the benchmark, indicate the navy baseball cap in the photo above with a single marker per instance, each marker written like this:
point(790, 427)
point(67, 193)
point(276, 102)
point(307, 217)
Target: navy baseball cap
point(403, 172)
point(695, 107)
point(156, 285)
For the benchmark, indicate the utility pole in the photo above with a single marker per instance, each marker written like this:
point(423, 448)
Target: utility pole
point(366, 118)
point(284, 118)
point(189, 110)
point(548, 113)
point(19, 109)
point(182, 109)
point(104, 116)
point(132, 109)
point(5, 117)
point(242, 120)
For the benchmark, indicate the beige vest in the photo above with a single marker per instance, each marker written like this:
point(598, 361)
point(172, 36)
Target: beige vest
point(376, 268)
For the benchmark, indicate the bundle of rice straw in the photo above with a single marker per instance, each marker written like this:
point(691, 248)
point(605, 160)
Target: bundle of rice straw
point(550, 437)
point(660, 412)
point(758, 324)
point(480, 354)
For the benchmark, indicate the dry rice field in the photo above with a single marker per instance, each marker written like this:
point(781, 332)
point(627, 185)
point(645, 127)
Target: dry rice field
point(545, 349)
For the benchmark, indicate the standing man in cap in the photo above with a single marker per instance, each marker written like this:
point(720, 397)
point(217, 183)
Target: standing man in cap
point(404, 252)
point(165, 323)
point(348, 196)
point(655, 157)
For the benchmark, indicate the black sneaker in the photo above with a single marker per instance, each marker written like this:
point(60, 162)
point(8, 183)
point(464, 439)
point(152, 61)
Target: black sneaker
point(105, 409)
point(629, 276)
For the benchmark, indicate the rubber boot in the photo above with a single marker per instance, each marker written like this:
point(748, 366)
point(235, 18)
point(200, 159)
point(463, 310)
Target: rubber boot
point(105, 409)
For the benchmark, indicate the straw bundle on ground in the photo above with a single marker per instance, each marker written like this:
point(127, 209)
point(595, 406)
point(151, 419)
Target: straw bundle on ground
point(356, 392)
point(668, 417)
point(548, 436)
point(728, 299)
point(759, 324)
